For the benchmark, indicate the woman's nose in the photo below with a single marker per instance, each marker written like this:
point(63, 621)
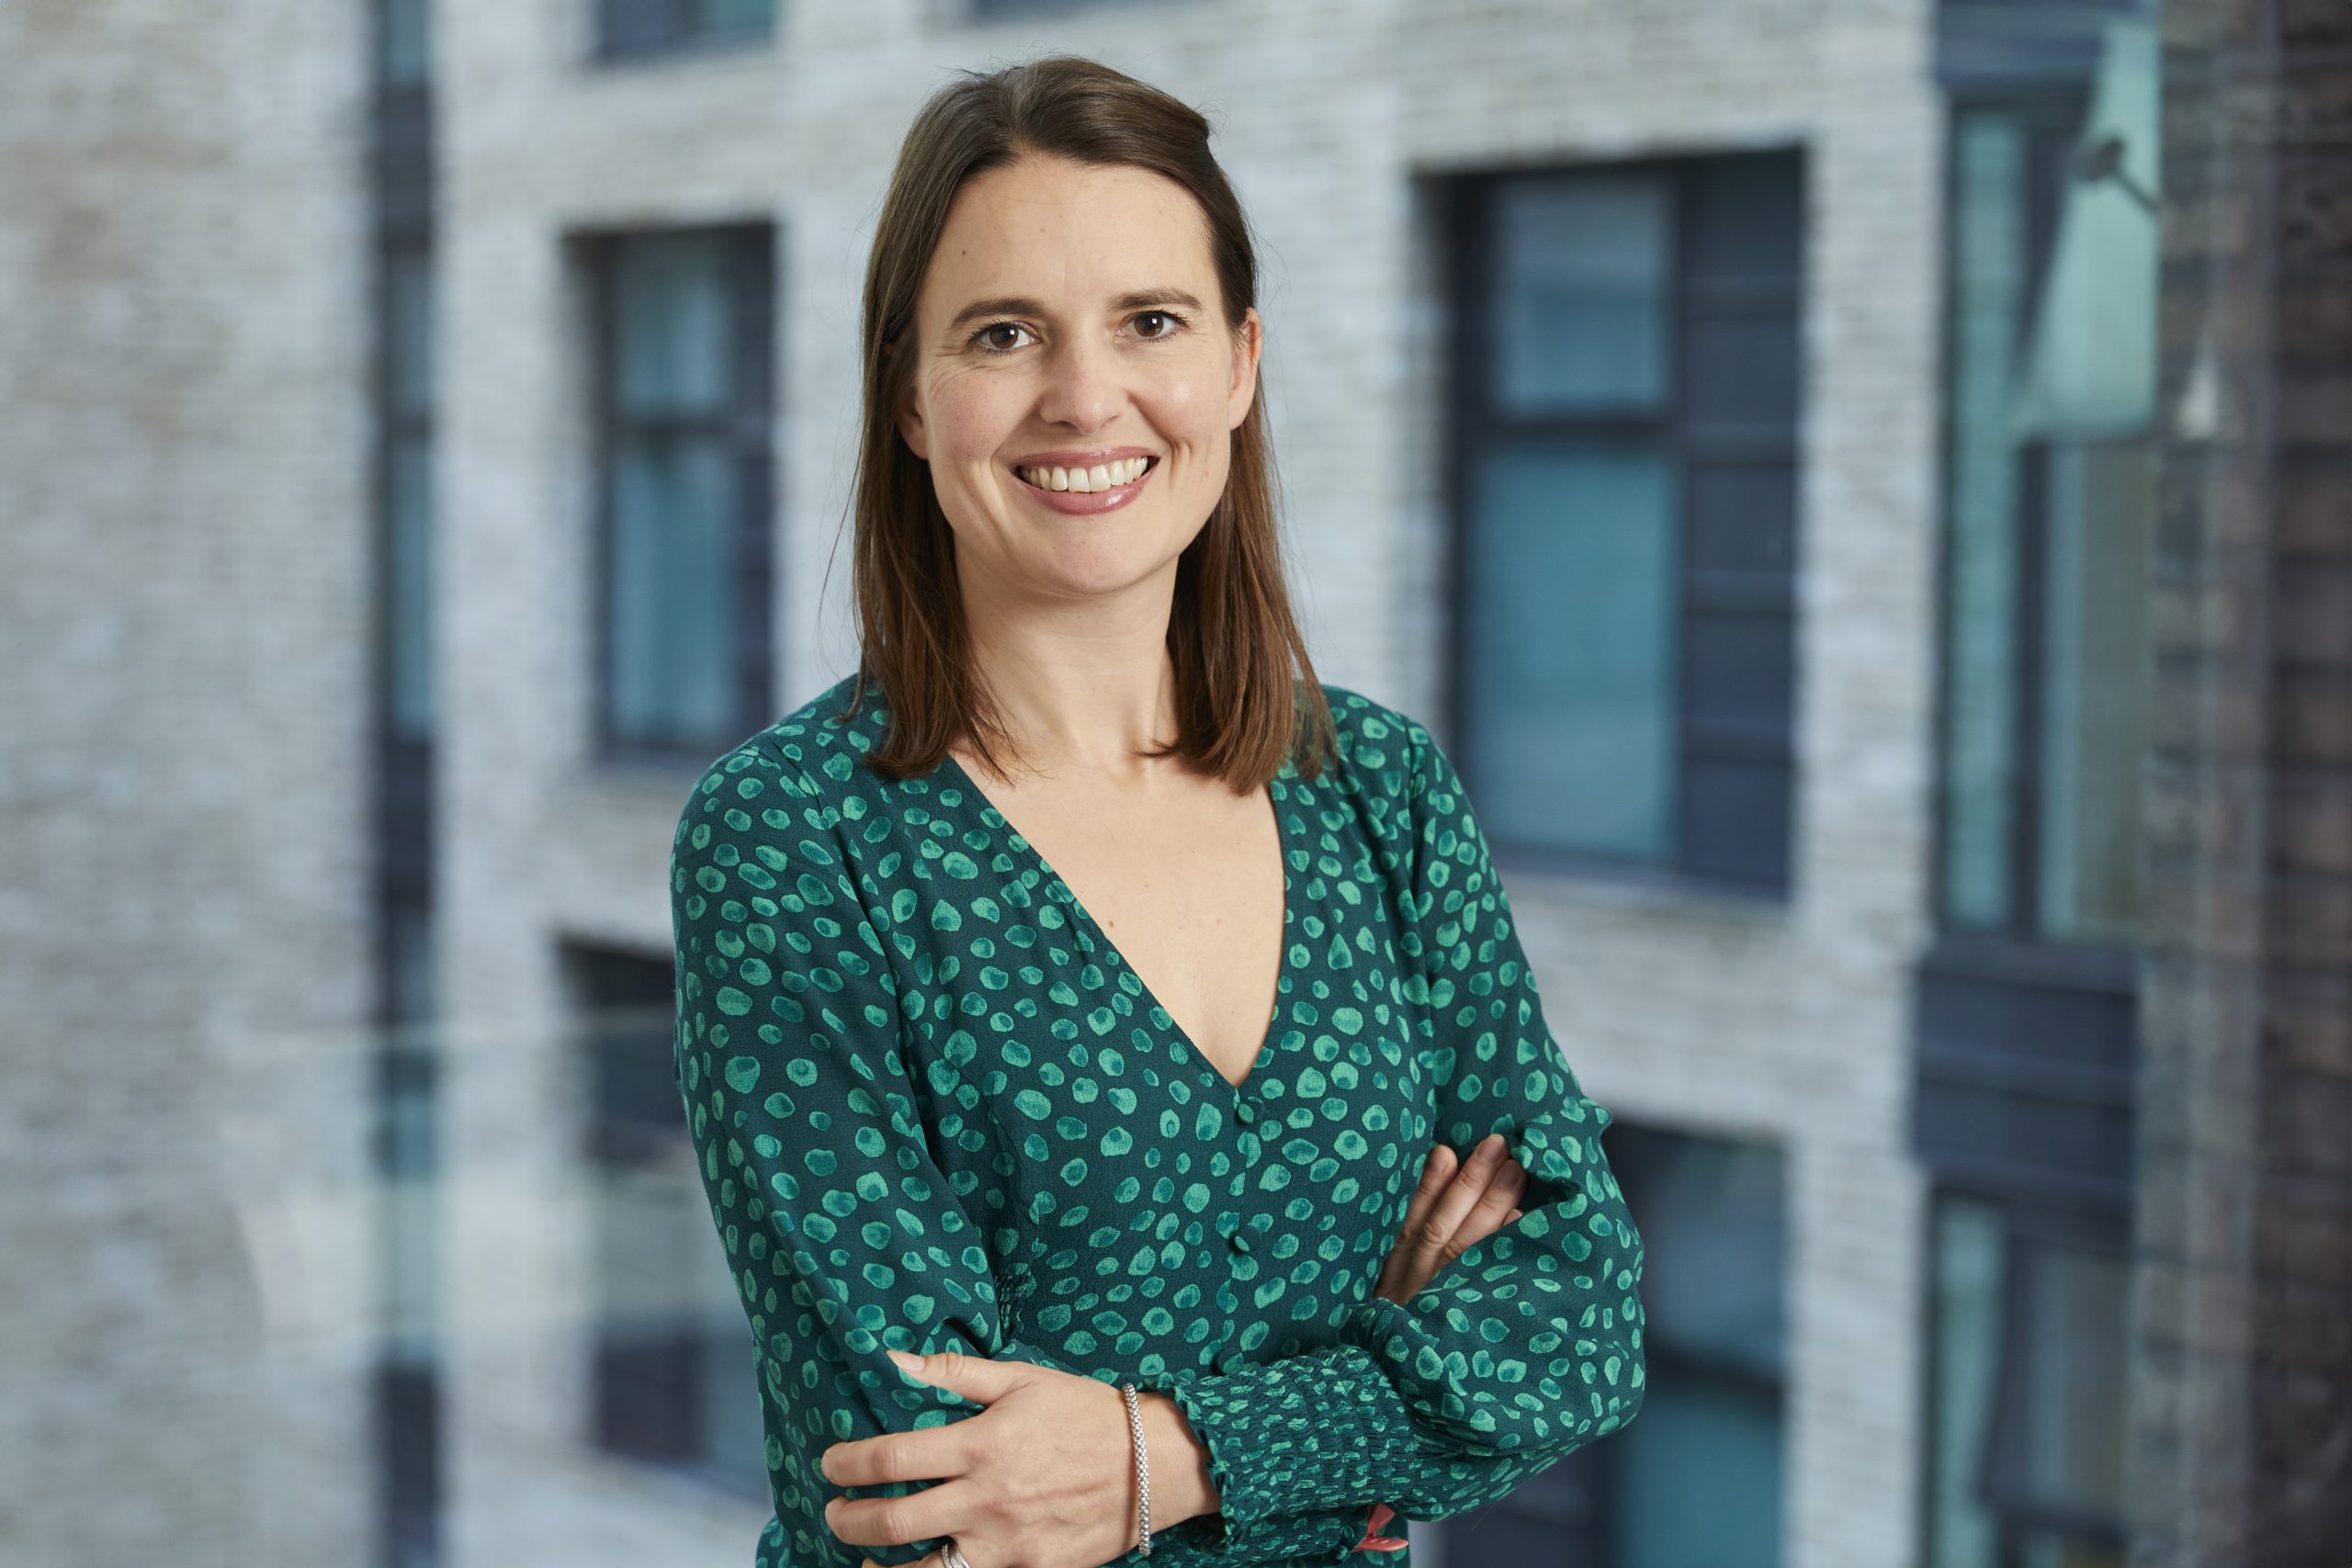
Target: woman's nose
point(1084, 388)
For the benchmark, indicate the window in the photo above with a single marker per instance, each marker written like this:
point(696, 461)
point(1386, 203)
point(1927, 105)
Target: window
point(2050, 493)
point(405, 415)
point(403, 42)
point(686, 346)
point(2029, 1369)
point(675, 1363)
point(2026, 1011)
point(631, 28)
point(1624, 586)
point(1711, 1215)
point(988, 10)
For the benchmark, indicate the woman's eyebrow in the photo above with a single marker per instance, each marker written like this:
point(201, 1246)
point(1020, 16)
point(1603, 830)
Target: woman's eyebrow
point(1133, 299)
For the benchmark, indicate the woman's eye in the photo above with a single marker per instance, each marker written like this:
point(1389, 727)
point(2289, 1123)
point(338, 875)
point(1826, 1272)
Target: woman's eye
point(1173, 320)
point(987, 339)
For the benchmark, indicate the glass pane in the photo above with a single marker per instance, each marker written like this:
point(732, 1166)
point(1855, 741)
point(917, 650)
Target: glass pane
point(1988, 291)
point(737, 16)
point(407, 59)
point(2078, 1303)
point(1711, 1213)
point(1966, 1347)
point(410, 657)
point(673, 317)
point(2101, 519)
point(632, 25)
point(1571, 660)
point(2093, 366)
point(1699, 1425)
point(2053, 1441)
point(672, 626)
point(2050, 1552)
point(409, 342)
point(1582, 295)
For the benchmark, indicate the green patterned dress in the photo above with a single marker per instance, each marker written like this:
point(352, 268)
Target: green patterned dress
point(935, 1108)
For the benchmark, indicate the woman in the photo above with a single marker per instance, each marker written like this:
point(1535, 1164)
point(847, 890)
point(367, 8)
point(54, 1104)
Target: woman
point(1061, 1221)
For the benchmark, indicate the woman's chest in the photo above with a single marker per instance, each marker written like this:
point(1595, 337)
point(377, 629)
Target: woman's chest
point(1120, 1160)
point(1190, 891)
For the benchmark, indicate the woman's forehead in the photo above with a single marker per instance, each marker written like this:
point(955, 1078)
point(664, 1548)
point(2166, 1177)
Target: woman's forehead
point(1073, 235)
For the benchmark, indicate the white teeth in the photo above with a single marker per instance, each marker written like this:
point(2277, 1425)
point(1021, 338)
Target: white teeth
point(1101, 476)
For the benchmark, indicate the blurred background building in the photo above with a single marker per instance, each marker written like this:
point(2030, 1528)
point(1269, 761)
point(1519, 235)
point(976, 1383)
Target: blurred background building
point(1882, 465)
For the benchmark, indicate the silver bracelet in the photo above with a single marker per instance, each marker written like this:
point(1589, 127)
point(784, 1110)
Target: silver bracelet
point(1143, 1468)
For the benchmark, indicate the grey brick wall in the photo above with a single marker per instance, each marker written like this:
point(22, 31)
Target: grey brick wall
point(183, 702)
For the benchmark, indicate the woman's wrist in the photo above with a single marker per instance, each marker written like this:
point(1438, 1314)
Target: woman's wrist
point(1181, 1486)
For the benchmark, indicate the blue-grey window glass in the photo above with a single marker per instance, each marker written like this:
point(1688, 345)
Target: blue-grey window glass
point(641, 26)
point(408, 432)
point(685, 629)
point(984, 10)
point(2050, 504)
point(1625, 674)
point(1713, 1216)
point(1583, 303)
point(1988, 301)
point(2029, 1352)
point(410, 661)
point(404, 50)
point(1579, 540)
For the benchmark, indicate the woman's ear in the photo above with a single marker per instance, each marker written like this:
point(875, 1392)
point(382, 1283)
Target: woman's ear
point(1248, 343)
point(910, 426)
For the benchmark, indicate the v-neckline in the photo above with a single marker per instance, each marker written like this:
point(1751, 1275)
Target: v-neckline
point(1080, 912)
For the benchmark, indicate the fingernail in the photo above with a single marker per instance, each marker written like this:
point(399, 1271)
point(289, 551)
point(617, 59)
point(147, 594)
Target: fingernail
point(909, 1362)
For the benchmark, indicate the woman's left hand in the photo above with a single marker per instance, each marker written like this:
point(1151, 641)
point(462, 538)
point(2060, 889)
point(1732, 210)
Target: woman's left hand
point(1045, 1476)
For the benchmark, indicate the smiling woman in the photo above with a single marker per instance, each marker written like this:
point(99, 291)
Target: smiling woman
point(1074, 1230)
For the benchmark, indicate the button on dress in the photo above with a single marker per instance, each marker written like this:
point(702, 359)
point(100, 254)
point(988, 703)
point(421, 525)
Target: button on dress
point(935, 1108)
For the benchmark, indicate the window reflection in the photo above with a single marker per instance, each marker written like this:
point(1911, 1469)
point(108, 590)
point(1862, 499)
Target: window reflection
point(2029, 1372)
point(2051, 478)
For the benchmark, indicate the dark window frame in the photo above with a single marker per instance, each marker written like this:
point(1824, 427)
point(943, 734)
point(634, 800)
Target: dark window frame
point(627, 31)
point(1467, 204)
point(747, 424)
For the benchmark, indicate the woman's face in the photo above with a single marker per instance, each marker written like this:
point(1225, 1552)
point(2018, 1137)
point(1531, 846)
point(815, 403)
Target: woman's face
point(1072, 318)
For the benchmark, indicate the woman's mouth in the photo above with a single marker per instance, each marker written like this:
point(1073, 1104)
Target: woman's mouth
point(1103, 488)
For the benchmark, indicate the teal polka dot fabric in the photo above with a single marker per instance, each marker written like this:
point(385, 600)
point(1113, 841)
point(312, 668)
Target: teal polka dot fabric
point(935, 1109)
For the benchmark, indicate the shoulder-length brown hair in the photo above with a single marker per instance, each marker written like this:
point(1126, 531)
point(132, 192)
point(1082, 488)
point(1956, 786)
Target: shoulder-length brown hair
point(1247, 695)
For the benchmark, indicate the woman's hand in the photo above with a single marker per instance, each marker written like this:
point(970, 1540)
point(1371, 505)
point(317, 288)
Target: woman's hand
point(1045, 1476)
point(1456, 1205)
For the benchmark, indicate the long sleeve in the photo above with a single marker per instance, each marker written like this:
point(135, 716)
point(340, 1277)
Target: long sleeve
point(1526, 1347)
point(845, 1235)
